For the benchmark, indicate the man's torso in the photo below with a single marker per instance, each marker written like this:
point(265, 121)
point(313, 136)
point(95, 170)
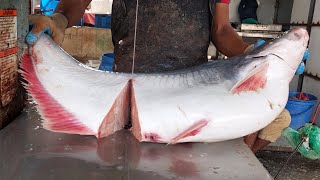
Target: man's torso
point(171, 34)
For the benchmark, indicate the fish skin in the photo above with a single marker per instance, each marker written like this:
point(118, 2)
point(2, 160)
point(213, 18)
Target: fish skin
point(166, 104)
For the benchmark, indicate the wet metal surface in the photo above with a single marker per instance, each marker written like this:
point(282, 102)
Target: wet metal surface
point(29, 152)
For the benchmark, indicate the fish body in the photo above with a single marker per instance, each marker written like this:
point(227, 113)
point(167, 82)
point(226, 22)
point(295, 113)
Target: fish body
point(216, 101)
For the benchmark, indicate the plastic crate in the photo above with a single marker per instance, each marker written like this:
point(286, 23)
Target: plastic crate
point(107, 62)
point(102, 21)
point(48, 6)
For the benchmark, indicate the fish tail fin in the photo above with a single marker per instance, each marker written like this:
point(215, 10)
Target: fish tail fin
point(57, 118)
point(191, 131)
point(253, 81)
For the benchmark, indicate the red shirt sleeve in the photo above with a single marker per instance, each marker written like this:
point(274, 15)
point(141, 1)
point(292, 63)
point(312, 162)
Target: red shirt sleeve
point(223, 1)
point(212, 4)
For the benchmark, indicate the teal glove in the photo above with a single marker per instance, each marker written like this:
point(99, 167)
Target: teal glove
point(301, 67)
point(54, 25)
point(259, 43)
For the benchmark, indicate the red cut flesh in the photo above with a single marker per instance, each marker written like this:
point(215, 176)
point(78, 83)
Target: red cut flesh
point(118, 116)
point(136, 130)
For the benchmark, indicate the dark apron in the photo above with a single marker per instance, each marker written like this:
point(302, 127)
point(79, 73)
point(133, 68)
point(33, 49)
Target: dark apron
point(171, 34)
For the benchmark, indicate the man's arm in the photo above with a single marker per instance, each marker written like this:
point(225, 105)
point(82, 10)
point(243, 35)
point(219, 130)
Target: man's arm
point(67, 14)
point(73, 10)
point(224, 37)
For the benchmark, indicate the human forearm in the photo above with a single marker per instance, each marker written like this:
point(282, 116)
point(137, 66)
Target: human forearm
point(73, 10)
point(224, 37)
point(228, 42)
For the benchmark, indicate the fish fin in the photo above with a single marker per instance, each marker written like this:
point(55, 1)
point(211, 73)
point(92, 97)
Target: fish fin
point(253, 81)
point(191, 131)
point(57, 118)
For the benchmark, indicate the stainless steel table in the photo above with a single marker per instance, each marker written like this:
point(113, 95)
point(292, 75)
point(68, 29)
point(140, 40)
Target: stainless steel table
point(28, 152)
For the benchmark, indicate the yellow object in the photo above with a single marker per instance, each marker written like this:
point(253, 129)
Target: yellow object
point(273, 131)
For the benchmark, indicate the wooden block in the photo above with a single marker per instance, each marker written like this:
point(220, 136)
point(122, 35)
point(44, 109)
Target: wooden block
point(87, 43)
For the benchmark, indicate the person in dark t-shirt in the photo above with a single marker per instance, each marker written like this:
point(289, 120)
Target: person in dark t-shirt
point(171, 35)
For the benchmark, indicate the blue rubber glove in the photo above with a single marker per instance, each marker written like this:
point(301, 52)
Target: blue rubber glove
point(259, 43)
point(54, 25)
point(301, 67)
point(32, 37)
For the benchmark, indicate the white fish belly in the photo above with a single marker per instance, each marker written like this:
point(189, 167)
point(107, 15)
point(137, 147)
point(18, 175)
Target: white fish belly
point(167, 112)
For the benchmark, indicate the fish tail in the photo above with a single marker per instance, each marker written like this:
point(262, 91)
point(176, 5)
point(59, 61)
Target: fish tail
point(57, 118)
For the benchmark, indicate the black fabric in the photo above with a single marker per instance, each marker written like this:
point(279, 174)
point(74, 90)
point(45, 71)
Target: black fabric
point(171, 34)
point(248, 9)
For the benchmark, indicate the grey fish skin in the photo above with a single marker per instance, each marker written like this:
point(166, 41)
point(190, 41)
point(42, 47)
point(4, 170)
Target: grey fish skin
point(199, 104)
point(219, 70)
point(213, 72)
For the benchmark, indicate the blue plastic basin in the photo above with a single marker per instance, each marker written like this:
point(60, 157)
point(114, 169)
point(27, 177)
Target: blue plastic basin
point(301, 111)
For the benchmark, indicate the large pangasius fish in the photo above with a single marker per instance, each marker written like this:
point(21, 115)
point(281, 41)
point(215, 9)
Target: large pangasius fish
point(216, 101)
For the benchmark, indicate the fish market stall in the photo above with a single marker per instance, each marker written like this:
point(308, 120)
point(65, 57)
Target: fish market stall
point(30, 152)
point(67, 98)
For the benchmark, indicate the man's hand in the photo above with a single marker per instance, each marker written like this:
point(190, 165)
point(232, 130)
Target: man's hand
point(54, 25)
point(68, 13)
point(254, 46)
point(301, 67)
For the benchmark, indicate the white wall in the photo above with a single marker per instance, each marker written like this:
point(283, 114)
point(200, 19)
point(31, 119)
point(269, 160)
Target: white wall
point(233, 11)
point(101, 6)
point(299, 14)
point(312, 86)
point(313, 63)
point(300, 11)
point(265, 11)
